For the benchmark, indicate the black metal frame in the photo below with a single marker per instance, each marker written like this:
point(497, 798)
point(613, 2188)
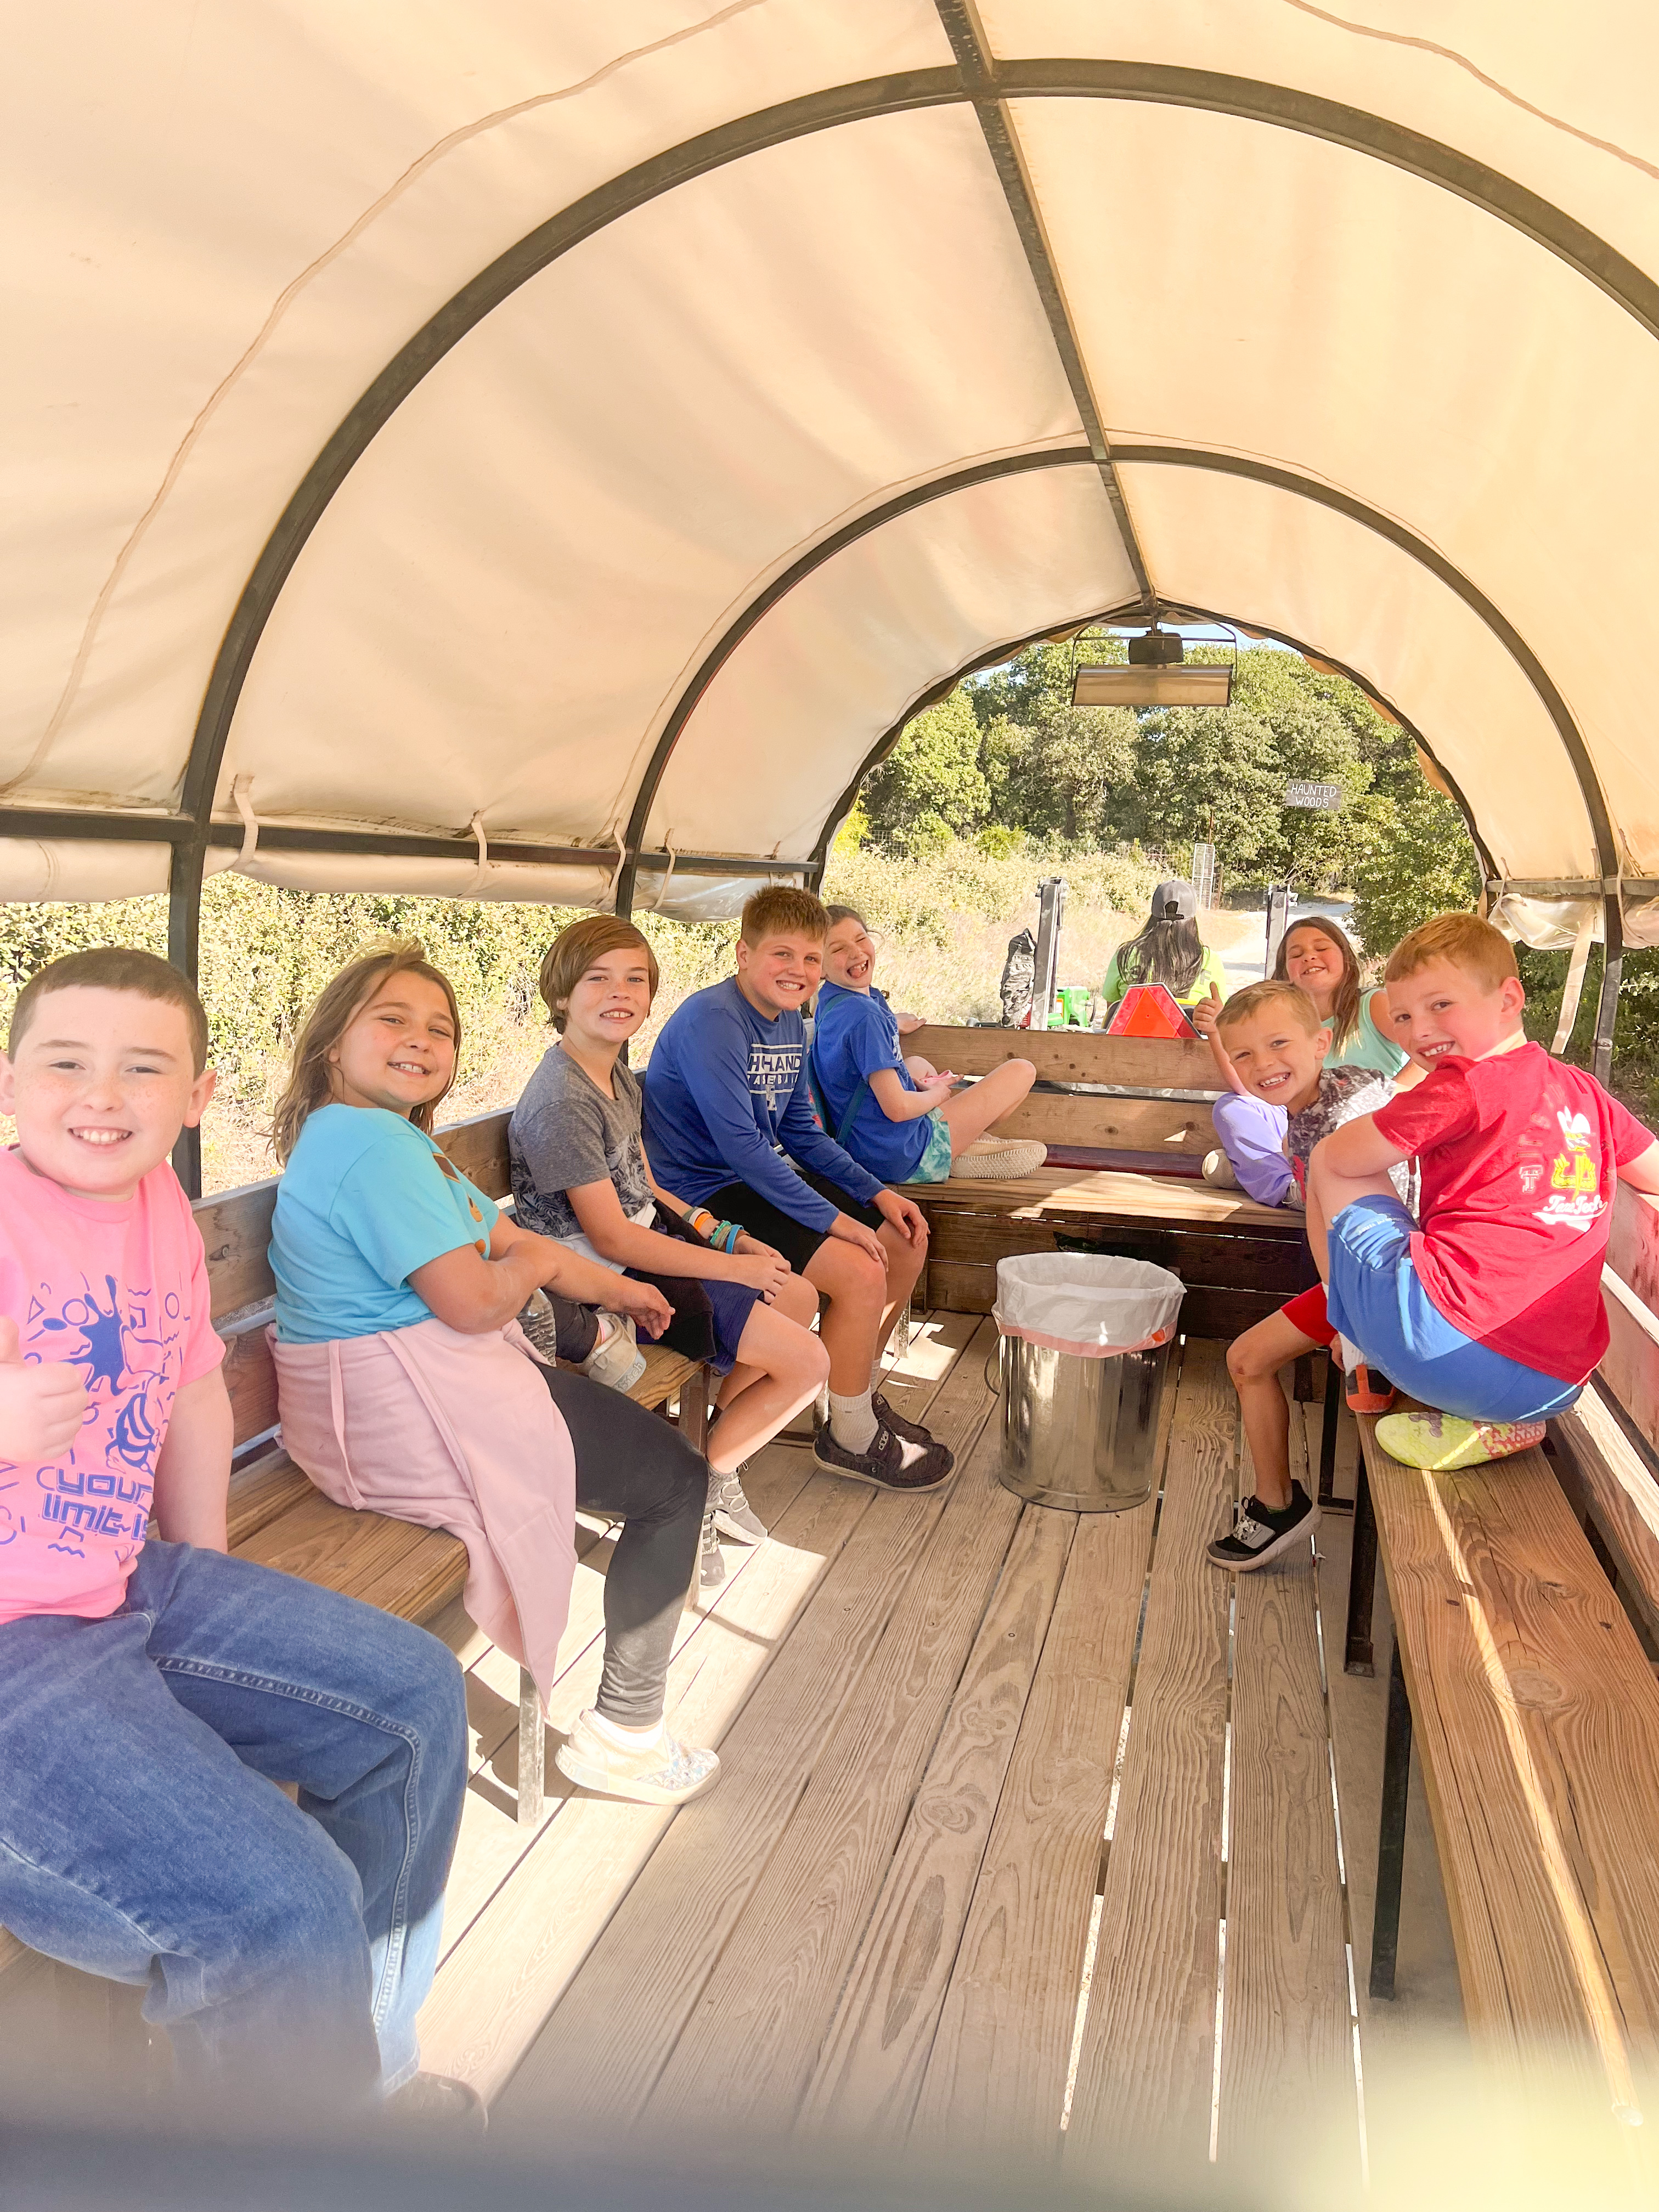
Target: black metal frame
point(1391, 1831)
point(978, 66)
point(1277, 106)
point(988, 84)
point(1358, 1656)
point(906, 502)
point(1430, 557)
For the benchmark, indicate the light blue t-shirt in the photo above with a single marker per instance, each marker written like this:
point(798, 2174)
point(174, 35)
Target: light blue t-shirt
point(365, 1200)
point(855, 1034)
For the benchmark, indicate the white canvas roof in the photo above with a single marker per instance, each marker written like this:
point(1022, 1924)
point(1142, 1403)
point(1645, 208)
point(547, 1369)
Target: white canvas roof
point(494, 449)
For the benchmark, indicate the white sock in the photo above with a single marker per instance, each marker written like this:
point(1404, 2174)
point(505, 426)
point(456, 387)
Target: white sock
point(626, 1738)
point(852, 1422)
point(1349, 1354)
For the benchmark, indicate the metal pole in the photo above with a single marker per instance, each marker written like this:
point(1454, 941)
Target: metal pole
point(1606, 1012)
point(1051, 906)
point(184, 951)
point(1391, 1831)
point(1278, 915)
point(1357, 1657)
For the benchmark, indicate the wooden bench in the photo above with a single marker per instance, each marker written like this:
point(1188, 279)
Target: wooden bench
point(1239, 1260)
point(1522, 1595)
point(278, 1518)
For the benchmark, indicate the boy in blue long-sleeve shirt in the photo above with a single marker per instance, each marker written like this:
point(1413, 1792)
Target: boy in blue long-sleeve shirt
point(724, 1101)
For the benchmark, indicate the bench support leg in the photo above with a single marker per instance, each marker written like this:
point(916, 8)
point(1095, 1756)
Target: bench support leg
point(1327, 1433)
point(1391, 1831)
point(532, 1750)
point(693, 1410)
point(1357, 1656)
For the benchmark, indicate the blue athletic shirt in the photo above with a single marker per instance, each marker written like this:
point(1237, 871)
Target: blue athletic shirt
point(723, 1093)
point(367, 1200)
point(854, 1034)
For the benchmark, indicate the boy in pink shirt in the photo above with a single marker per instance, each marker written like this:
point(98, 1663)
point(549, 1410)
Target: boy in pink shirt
point(1488, 1308)
point(154, 1688)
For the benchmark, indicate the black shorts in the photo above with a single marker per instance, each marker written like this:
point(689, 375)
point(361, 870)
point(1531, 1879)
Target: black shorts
point(740, 1202)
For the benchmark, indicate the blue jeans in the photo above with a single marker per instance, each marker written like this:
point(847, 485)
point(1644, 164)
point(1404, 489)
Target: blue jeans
point(1375, 1298)
point(286, 1951)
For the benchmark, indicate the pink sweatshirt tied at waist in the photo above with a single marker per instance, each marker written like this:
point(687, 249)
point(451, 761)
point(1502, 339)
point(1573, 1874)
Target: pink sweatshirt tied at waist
point(450, 1431)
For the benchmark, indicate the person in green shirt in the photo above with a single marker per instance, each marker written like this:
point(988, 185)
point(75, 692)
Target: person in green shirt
point(1169, 951)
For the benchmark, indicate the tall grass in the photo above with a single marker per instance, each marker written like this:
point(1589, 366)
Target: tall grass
point(944, 922)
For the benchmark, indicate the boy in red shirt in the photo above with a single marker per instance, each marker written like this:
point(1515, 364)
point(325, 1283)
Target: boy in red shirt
point(1489, 1307)
point(154, 1688)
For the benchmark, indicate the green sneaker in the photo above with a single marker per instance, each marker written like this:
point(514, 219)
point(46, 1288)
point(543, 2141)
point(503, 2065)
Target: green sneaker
point(1444, 1441)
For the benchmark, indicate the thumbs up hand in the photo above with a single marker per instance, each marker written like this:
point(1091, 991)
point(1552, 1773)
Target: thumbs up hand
point(1204, 1013)
point(41, 1407)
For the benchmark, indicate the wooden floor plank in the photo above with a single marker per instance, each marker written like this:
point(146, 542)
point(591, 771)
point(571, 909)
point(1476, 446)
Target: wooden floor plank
point(749, 2047)
point(602, 2050)
point(491, 1843)
point(497, 1987)
point(1287, 2045)
point(870, 2071)
point(996, 2077)
point(1145, 2070)
point(1537, 1721)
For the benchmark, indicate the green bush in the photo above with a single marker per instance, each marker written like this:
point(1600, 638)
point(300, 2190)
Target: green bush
point(266, 953)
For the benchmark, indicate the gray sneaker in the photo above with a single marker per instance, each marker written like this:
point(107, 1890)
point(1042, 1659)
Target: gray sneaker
point(711, 1560)
point(733, 1516)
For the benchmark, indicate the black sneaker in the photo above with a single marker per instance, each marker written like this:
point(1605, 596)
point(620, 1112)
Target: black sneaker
point(1260, 1534)
point(907, 1430)
point(884, 1463)
point(711, 1566)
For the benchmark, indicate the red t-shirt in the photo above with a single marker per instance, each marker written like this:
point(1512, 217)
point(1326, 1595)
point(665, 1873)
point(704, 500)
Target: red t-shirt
point(1518, 1157)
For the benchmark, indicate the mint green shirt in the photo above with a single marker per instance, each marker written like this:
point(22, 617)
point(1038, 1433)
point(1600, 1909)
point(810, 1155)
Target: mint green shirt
point(1368, 1047)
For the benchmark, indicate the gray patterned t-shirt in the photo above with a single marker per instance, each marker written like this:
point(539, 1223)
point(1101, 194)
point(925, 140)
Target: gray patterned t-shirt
point(565, 1132)
point(1345, 1093)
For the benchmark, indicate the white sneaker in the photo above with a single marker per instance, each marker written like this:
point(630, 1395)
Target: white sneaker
point(665, 1774)
point(1000, 1163)
point(615, 1361)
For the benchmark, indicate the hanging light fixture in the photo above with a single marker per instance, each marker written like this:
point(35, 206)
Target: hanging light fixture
point(1156, 676)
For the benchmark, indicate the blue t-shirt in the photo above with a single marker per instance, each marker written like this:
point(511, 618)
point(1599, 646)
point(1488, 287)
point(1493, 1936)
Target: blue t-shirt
point(367, 1200)
point(723, 1095)
point(854, 1034)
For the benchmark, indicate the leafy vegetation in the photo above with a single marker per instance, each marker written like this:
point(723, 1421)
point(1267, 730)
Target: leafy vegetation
point(945, 920)
point(1105, 779)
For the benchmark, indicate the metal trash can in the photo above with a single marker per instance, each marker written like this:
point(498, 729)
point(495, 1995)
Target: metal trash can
point(1085, 1343)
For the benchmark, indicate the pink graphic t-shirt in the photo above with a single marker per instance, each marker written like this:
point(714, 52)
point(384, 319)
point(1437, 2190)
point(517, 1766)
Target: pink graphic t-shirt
point(120, 1292)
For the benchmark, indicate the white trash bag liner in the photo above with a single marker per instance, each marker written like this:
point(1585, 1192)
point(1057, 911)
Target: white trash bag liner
point(1096, 1307)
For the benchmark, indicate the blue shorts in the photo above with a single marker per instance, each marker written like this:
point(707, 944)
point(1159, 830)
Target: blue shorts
point(1376, 1300)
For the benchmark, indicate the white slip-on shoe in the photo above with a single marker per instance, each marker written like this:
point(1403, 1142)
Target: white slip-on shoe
point(667, 1774)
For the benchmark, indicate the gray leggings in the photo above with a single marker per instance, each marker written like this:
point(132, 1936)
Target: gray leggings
point(633, 1465)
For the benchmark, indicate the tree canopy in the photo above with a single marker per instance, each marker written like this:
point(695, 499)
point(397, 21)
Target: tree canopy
point(1007, 753)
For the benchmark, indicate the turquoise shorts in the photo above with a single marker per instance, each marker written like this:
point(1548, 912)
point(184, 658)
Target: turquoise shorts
point(934, 1165)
